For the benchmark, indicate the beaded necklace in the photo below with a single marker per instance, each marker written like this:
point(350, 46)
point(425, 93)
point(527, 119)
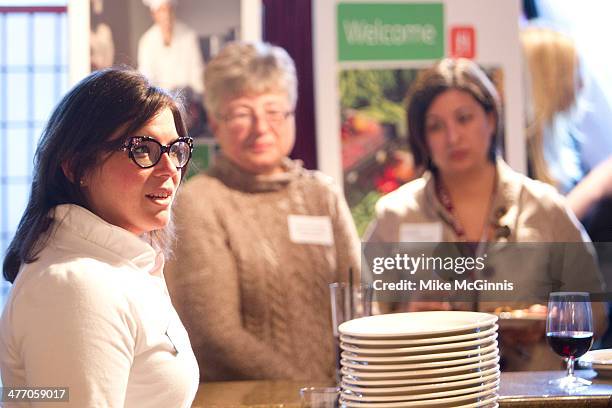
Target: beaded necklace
point(467, 248)
point(455, 224)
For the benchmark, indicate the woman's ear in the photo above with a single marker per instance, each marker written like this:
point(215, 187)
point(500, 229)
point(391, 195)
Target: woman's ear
point(67, 171)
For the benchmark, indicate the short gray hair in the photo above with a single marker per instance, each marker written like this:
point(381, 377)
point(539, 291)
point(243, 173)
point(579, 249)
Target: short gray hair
point(249, 68)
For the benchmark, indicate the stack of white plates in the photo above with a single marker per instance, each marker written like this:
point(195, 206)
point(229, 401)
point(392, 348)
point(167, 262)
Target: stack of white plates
point(424, 359)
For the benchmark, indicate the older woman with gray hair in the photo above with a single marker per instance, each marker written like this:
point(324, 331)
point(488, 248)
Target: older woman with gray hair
point(261, 237)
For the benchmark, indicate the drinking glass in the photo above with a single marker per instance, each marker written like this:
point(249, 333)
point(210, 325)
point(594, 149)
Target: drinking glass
point(347, 303)
point(319, 397)
point(569, 332)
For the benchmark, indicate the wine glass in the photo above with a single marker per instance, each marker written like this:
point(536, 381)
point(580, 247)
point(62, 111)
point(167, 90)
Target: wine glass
point(569, 332)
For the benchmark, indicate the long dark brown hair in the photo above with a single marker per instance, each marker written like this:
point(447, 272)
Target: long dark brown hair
point(107, 103)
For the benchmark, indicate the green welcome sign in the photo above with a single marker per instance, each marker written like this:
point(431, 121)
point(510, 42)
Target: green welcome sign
point(390, 31)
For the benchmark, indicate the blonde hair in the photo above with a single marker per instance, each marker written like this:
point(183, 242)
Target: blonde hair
point(552, 60)
point(249, 68)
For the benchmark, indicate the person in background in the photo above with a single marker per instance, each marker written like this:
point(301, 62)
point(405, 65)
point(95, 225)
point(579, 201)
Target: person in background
point(168, 52)
point(555, 145)
point(467, 193)
point(101, 44)
point(89, 309)
point(260, 237)
point(554, 142)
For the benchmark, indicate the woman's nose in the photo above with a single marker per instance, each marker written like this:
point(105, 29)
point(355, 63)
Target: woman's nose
point(452, 133)
point(260, 122)
point(166, 166)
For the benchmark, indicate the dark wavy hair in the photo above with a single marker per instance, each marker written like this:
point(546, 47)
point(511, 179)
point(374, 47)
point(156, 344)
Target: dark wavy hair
point(461, 74)
point(92, 119)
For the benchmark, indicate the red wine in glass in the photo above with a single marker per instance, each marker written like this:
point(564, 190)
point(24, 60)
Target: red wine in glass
point(570, 344)
point(569, 332)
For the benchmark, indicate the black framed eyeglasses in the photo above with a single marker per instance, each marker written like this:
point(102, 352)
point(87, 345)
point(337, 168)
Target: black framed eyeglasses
point(146, 151)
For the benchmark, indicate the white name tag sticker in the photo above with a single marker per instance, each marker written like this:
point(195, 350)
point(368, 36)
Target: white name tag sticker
point(310, 229)
point(422, 232)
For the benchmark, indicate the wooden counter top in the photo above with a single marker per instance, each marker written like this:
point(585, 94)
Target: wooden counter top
point(522, 389)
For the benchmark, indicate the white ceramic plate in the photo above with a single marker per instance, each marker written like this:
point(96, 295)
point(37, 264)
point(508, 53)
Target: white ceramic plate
point(420, 397)
point(426, 340)
point(601, 357)
point(419, 374)
point(418, 390)
point(485, 399)
point(439, 379)
point(421, 357)
point(524, 315)
point(361, 366)
point(600, 361)
point(436, 323)
point(520, 320)
point(461, 345)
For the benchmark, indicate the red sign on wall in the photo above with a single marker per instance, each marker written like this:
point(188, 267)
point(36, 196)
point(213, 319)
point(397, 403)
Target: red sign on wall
point(463, 42)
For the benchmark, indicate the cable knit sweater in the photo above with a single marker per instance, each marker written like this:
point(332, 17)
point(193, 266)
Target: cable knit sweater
point(255, 304)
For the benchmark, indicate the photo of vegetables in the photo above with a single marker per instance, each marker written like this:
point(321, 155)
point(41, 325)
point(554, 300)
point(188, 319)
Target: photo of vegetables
point(375, 155)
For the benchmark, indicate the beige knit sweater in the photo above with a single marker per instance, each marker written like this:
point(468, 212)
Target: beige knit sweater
point(255, 304)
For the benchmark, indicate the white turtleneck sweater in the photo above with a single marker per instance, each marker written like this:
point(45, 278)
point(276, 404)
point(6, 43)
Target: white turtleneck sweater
point(93, 314)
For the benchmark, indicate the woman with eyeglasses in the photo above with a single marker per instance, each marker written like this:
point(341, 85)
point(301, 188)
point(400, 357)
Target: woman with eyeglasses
point(89, 311)
point(260, 237)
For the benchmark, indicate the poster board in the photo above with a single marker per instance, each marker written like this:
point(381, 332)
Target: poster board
point(366, 54)
point(107, 33)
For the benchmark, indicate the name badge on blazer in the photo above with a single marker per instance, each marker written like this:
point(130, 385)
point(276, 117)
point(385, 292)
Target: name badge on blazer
point(310, 229)
point(420, 232)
